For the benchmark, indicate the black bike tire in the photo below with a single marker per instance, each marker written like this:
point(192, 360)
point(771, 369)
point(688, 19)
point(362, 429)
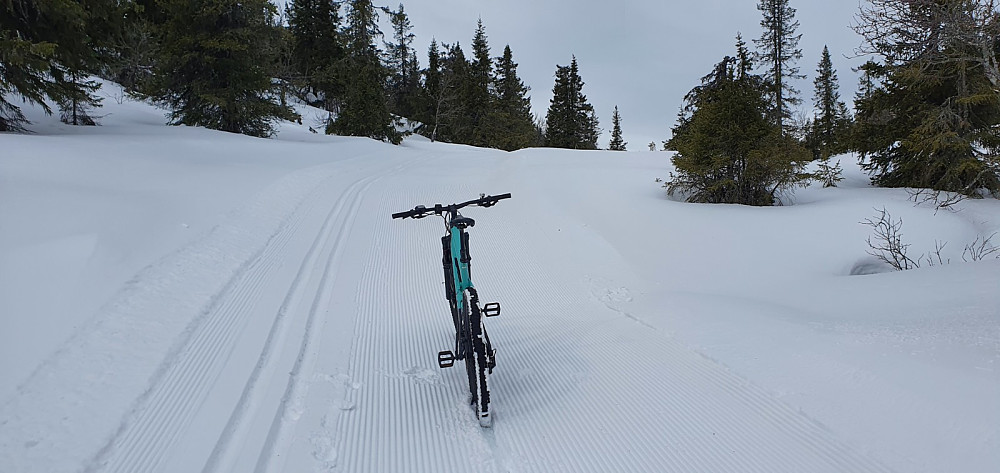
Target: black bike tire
point(475, 362)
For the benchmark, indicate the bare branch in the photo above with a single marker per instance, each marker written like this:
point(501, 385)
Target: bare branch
point(888, 246)
point(980, 250)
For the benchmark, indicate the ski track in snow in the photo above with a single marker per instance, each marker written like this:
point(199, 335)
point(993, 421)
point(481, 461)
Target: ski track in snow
point(345, 378)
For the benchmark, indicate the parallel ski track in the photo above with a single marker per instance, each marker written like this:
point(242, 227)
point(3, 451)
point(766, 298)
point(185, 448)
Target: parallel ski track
point(223, 455)
point(168, 407)
point(295, 392)
point(170, 404)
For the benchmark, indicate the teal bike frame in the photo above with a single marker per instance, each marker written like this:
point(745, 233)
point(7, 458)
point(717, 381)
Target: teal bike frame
point(472, 343)
point(459, 269)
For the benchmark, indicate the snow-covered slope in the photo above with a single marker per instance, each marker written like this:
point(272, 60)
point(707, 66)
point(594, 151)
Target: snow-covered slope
point(179, 300)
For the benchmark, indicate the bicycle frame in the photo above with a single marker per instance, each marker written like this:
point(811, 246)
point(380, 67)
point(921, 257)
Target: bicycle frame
point(472, 343)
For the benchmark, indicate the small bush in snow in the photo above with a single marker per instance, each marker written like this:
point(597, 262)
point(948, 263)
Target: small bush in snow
point(888, 246)
point(829, 175)
point(980, 250)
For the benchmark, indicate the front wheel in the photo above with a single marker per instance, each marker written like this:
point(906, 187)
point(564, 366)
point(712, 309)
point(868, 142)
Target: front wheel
point(477, 363)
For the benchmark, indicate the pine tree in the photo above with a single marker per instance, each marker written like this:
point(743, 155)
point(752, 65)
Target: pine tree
point(617, 143)
point(510, 125)
point(318, 51)
point(828, 129)
point(47, 48)
point(364, 111)
point(430, 93)
point(932, 120)
point(402, 63)
point(570, 121)
point(477, 93)
point(777, 50)
point(212, 69)
point(728, 148)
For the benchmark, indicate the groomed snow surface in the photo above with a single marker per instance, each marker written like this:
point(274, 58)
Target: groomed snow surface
point(175, 299)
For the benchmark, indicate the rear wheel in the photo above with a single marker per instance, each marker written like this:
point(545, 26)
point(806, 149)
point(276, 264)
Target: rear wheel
point(477, 361)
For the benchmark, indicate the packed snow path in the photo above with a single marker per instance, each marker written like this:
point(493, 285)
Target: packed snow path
point(181, 300)
point(316, 350)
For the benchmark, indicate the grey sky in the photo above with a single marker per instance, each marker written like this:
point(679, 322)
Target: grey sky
point(642, 56)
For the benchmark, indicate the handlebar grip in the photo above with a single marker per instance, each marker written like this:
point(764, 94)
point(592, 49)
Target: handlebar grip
point(402, 214)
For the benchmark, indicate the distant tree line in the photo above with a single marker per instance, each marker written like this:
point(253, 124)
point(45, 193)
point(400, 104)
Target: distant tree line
point(927, 112)
point(235, 65)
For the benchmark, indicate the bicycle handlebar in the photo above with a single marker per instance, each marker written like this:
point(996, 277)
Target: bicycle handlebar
point(420, 211)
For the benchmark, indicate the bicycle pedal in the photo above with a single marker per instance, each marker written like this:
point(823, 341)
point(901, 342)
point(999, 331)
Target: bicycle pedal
point(446, 359)
point(491, 309)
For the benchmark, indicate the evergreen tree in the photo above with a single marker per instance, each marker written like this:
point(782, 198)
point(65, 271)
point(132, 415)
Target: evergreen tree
point(430, 93)
point(477, 95)
point(402, 62)
point(364, 111)
point(318, 51)
point(728, 148)
point(827, 132)
point(510, 125)
point(617, 143)
point(932, 119)
point(777, 50)
point(452, 119)
point(212, 70)
point(135, 49)
point(47, 47)
point(570, 121)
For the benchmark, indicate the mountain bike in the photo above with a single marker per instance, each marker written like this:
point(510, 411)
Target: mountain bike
point(472, 343)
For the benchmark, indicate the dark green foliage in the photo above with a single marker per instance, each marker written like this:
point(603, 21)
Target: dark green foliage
point(450, 116)
point(132, 60)
point(364, 111)
point(317, 51)
point(46, 47)
point(617, 143)
point(777, 51)
point(728, 148)
point(509, 125)
point(404, 76)
point(932, 117)
point(827, 133)
point(570, 121)
point(429, 98)
point(476, 94)
point(213, 68)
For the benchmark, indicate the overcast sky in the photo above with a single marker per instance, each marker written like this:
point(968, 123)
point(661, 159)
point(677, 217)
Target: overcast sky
point(642, 56)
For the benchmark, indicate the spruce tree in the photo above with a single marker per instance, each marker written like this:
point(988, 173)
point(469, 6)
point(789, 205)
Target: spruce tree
point(47, 48)
point(318, 51)
point(617, 143)
point(728, 148)
point(402, 62)
point(451, 115)
point(510, 125)
point(827, 134)
point(932, 118)
point(777, 51)
point(430, 92)
point(477, 92)
point(570, 121)
point(364, 111)
point(212, 70)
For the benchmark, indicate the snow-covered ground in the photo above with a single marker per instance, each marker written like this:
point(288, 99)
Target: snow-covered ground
point(175, 299)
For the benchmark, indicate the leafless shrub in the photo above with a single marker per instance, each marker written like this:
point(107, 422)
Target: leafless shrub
point(980, 249)
point(888, 244)
point(939, 199)
point(934, 258)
